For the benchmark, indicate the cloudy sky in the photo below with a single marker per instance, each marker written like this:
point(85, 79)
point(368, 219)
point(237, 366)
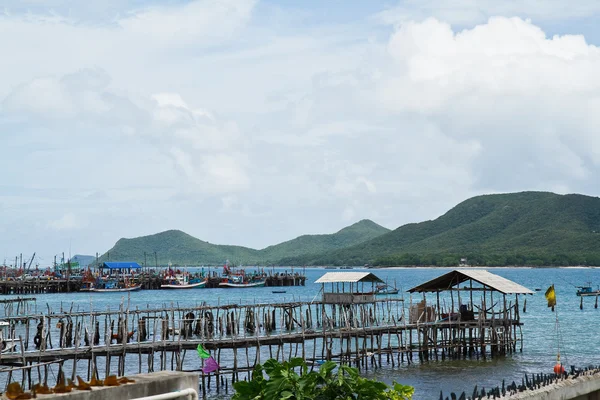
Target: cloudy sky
point(252, 122)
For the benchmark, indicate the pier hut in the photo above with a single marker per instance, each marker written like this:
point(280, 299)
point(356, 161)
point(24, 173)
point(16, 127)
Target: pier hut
point(352, 288)
point(494, 321)
point(478, 281)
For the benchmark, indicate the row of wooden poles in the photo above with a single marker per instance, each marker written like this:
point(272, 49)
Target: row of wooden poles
point(364, 335)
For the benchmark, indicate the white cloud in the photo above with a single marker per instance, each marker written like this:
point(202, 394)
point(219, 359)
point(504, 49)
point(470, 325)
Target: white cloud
point(467, 12)
point(204, 20)
point(68, 221)
point(219, 125)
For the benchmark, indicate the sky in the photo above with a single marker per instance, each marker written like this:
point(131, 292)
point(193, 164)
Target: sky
point(252, 122)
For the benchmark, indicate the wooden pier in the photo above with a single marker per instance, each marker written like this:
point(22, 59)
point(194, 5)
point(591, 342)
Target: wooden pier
point(366, 335)
point(148, 282)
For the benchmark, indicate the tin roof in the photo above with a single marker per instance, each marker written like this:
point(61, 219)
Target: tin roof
point(481, 276)
point(121, 265)
point(353, 277)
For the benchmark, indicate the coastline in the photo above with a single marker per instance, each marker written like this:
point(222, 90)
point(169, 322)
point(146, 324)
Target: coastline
point(466, 267)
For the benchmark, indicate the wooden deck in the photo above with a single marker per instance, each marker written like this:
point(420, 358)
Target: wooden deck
point(365, 335)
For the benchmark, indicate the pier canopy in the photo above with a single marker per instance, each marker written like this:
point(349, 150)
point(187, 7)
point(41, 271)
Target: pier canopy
point(121, 265)
point(483, 277)
point(355, 293)
point(348, 277)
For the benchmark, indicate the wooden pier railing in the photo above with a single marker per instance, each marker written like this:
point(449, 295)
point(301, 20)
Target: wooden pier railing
point(364, 335)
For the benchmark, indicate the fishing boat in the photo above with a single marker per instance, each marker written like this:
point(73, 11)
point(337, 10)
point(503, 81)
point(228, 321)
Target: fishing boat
point(238, 281)
point(115, 277)
point(88, 281)
point(183, 281)
point(233, 278)
point(587, 290)
point(385, 290)
point(114, 286)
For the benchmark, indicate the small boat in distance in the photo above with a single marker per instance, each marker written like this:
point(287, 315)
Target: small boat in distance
point(278, 291)
point(182, 281)
point(587, 290)
point(114, 286)
point(385, 289)
point(114, 277)
point(238, 281)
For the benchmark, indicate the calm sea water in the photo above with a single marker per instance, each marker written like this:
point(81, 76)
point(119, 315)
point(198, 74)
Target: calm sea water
point(580, 342)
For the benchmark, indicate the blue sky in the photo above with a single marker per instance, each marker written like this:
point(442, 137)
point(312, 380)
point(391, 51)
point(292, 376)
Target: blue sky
point(251, 122)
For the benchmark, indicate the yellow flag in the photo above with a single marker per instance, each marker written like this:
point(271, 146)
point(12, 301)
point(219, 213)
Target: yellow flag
point(551, 296)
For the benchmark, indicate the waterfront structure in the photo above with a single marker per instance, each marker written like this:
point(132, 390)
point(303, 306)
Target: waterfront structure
point(365, 332)
point(355, 292)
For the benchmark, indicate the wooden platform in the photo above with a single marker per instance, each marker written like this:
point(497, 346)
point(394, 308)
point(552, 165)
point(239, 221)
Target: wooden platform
point(36, 286)
point(365, 335)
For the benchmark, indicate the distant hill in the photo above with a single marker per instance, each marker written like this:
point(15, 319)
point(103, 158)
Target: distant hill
point(314, 244)
point(180, 248)
point(177, 247)
point(528, 228)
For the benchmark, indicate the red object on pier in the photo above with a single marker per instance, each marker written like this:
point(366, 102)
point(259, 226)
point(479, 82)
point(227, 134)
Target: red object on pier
point(559, 369)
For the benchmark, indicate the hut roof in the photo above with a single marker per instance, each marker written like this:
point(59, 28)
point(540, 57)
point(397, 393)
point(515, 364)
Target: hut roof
point(121, 265)
point(333, 277)
point(484, 277)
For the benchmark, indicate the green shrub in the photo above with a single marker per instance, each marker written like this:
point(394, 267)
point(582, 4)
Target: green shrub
point(292, 380)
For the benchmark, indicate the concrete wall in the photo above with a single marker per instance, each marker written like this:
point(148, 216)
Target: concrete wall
point(582, 388)
point(144, 385)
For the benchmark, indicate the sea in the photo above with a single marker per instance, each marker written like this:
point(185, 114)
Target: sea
point(569, 329)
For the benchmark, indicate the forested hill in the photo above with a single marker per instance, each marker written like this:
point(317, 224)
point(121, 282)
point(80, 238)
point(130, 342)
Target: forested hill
point(314, 244)
point(177, 247)
point(527, 228)
point(180, 248)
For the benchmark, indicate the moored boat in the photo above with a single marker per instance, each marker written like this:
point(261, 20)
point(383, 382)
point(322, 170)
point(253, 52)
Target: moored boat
point(385, 290)
point(182, 281)
point(105, 289)
point(240, 279)
point(229, 283)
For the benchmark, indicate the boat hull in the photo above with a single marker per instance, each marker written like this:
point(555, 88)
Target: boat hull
point(188, 286)
point(129, 289)
point(241, 285)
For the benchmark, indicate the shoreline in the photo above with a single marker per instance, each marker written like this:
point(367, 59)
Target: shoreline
point(459, 267)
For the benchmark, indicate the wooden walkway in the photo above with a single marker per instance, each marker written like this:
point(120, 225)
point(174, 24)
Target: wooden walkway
point(364, 335)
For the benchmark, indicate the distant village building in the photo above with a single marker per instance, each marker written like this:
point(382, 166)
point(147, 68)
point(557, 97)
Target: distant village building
point(463, 263)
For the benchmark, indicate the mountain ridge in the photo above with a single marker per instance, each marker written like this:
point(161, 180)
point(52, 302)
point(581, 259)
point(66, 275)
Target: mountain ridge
point(181, 248)
point(497, 229)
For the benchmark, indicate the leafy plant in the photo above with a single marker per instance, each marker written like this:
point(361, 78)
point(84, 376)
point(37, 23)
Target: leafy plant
point(291, 380)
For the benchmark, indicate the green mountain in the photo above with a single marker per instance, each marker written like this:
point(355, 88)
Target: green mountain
point(314, 244)
point(177, 247)
point(528, 228)
point(180, 248)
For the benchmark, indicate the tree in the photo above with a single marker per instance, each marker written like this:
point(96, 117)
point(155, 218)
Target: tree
point(329, 382)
